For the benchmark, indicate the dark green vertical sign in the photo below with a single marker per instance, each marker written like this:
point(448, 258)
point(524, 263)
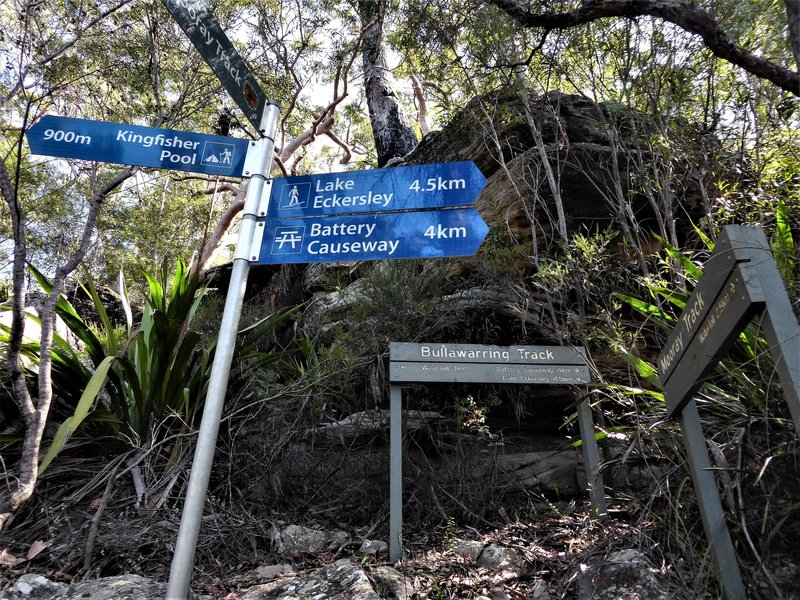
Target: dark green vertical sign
point(740, 282)
point(203, 29)
point(723, 302)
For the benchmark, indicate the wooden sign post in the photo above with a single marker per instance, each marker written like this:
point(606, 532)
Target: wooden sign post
point(468, 363)
point(740, 282)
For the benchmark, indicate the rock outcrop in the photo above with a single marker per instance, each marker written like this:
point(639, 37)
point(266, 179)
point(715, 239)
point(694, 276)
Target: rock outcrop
point(341, 579)
point(600, 154)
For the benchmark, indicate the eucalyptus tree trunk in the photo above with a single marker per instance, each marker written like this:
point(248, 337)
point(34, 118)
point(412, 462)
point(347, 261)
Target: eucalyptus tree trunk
point(390, 126)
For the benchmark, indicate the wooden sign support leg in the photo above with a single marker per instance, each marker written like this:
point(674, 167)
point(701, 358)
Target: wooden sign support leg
point(705, 487)
point(395, 473)
point(783, 335)
point(591, 457)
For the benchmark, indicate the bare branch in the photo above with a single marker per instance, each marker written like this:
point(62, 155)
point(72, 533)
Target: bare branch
point(339, 142)
point(690, 18)
point(219, 231)
point(224, 186)
point(435, 86)
point(422, 106)
point(320, 126)
point(281, 166)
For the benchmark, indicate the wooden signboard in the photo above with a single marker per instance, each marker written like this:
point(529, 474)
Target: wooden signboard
point(465, 363)
point(203, 29)
point(469, 363)
point(704, 337)
point(740, 282)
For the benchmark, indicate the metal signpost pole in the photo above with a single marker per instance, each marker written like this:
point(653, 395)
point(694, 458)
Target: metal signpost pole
point(183, 560)
point(591, 456)
point(779, 323)
point(395, 472)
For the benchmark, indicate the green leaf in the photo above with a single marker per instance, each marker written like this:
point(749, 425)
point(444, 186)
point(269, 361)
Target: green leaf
point(59, 439)
point(783, 244)
point(126, 305)
point(73, 321)
point(156, 297)
point(677, 299)
point(707, 241)
point(251, 334)
point(601, 435)
point(91, 291)
point(644, 369)
point(653, 313)
point(636, 391)
point(72, 423)
point(47, 287)
point(692, 270)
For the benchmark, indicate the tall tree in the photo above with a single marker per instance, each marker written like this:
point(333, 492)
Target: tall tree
point(391, 129)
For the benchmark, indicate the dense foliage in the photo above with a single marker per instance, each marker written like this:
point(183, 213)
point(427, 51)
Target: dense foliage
point(670, 138)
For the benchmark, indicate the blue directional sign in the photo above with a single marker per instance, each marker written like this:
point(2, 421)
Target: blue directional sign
point(377, 236)
point(134, 145)
point(377, 190)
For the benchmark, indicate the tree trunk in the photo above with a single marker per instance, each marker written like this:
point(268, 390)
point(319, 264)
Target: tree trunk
point(390, 126)
point(20, 488)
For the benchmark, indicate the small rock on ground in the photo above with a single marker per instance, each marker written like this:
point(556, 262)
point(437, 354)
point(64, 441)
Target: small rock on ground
point(622, 574)
point(342, 579)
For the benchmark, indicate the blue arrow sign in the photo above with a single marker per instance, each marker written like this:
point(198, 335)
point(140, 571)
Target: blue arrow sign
point(377, 236)
point(399, 188)
point(134, 145)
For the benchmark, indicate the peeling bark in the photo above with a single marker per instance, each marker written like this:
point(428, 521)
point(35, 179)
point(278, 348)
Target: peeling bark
point(223, 224)
point(422, 107)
